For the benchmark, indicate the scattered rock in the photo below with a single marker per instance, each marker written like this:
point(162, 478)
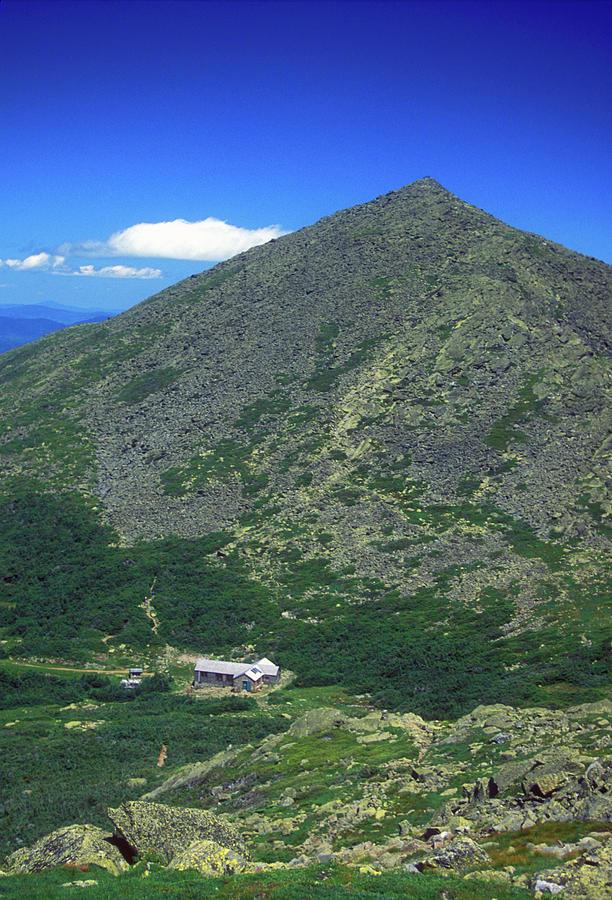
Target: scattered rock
point(411, 868)
point(545, 785)
point(494, 876)
point(136, 782)
point(374, 738)
point(547, 887)
point(194, 774)
point(589, 877)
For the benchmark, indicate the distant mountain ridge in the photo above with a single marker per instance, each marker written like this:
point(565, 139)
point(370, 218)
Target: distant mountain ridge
point(397, 415)
point(20, 324)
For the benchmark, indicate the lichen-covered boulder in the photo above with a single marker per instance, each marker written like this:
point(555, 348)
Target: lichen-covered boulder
point(153, 828)
point(544, 785)
point(456, 855)
point(210, 858)
point(589, 877)
point(77, 845)
point(316, 721)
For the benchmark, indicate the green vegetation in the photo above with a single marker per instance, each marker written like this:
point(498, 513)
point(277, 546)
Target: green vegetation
point(138, 389)
point(504, 430)
point(68, 586)
point(383, 285)
point(33, 688)
point(321, 882)
point(71, 591)
point(228, 459)
point(65, 764)
point(206, 282)
point(274, 404)
point(326, 373)
point(390, 648)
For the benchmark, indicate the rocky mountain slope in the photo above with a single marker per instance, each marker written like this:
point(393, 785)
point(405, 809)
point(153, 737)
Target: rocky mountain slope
point(396, 423)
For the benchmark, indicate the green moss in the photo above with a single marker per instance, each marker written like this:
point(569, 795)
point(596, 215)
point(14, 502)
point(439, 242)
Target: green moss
point(302, 416)
point(524, 541)
point(468, 485)
point(326, 373)
point(274, 404)
point(138, 389)
point(206, 283)
point(383, 287)
point(504, 431)
point(225, 460)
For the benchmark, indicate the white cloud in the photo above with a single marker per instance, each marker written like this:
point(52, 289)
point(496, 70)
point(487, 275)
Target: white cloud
point(36, 261)
point(116, 272)
point(209, 240)
point(44, 262)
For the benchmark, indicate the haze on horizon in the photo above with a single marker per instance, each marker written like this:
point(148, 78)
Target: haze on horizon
point(148, 140)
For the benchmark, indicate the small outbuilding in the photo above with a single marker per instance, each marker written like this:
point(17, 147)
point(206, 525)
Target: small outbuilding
point(133, 680)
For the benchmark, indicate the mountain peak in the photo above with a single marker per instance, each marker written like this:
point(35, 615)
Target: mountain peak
point(399, 408)
point(427, 181)
point(424, 185)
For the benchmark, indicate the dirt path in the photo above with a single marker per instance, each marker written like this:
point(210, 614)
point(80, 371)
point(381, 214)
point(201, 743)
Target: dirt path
point(147, 605)
point(70, 668)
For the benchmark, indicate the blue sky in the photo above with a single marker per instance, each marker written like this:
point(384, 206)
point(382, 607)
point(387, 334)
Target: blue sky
point(142, 141)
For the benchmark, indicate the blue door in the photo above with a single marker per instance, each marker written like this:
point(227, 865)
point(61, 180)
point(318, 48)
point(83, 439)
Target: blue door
point(246, 685)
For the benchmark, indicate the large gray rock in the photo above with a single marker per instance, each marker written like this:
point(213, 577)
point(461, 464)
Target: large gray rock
point(75, 845)
point(589, 877)
point(165, 831)
point(210, 858)
point(316, 721)
point(457, 855)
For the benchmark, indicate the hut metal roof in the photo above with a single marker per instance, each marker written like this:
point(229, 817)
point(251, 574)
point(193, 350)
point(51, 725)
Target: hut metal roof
point(266, 666)
point(221, 667)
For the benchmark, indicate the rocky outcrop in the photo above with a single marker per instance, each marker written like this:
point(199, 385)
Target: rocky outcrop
point(559, 786)
point(589, 877)
point(457, 855)
point(541, 767)
point(317, 720)
point(165, 831)
point(210, 858)
point(75, 845)
point(190, 775)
